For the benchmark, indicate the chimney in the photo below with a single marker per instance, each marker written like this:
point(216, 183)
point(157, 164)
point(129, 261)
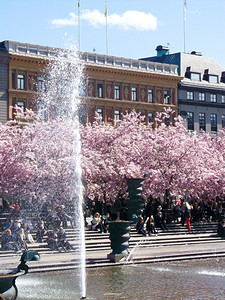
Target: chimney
point(162, 50)
point(198, 53)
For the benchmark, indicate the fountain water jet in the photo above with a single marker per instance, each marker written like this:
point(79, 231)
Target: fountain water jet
point(61, 100)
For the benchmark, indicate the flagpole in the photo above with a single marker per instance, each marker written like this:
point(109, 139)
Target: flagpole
point(106, 27)
point(79, 25)
point(185, 9)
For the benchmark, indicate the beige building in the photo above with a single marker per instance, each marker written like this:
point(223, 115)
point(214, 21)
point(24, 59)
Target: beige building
point(114, 85)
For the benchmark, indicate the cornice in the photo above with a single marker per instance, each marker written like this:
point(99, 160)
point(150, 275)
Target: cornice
point(132, 73)
point(24, 59)
point(22, 92)
point(131, 104)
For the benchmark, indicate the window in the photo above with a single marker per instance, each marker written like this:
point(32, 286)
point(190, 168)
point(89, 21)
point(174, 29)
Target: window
point(201, 96)
point(212, 97)
point(100, 114)
point(41, 86)
point(195, 76)
point(100, 90)
point(21, 104)
point(213, 78)
point(150, 118)
point(190, 120)
point(166, 97)
point(134, 94)
point(223, 121)
point(117, 92)
point(213, 121)
point(150, 95)
point(116, 115)
point(21, 82)
point(201, 121)
point(223, 99)
point(190, 96)
point(41, 111)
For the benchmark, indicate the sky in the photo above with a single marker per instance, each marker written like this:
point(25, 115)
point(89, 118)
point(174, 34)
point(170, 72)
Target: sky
point(134, 27)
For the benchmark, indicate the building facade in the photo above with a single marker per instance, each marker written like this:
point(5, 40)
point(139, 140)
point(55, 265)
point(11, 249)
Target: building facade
point(114, 85)
point(201, 92)
point(119, 85)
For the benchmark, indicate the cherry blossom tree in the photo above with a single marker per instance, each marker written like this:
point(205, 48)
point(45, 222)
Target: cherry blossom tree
point(36, 159)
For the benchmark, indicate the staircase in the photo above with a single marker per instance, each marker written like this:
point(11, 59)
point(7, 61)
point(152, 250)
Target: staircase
point(175, 244)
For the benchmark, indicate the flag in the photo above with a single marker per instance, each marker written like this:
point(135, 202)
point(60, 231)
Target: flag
point(106, 9)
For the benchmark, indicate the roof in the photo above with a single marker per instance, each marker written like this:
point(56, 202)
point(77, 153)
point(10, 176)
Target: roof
point(195, 63)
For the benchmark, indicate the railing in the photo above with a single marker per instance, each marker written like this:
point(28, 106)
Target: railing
point(29, 49)
point(93, 59)
point(131, 64)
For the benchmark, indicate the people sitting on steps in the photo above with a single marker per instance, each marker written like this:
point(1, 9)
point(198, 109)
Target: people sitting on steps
point(97, 223)
point(8, 242)
point(140, 226)
point(150, 226)
point(62, 240)
point(159, 221)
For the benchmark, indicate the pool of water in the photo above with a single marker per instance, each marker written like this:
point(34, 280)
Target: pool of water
point(195, 279)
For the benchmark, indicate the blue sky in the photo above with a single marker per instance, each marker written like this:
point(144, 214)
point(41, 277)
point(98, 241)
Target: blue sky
point(135, 27)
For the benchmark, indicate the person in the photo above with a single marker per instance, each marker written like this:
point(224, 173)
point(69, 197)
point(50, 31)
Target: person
point(182, 210)
point(187, 215)
point(176, 212)
point(20, 238)
point(140, 226)
point(196, 213)
point(159, 222)
point(62, 240)
point(216, 212)
point(150, 225)
point(62, 215)
point(41, 231)
point(221, 228)
point(7, 242)
point(56, 222)
point(97, 223)
point(148, 210)
point(52, 239)
point(105, 220)
point(15, 227)
point(29, 236)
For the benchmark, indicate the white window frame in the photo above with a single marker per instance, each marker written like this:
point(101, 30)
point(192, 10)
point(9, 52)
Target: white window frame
point(201, 96)
point(134, 93)
point(20, 81)
point(213, 98)
point(190, 95)
point(117, 92)
point(150, 95)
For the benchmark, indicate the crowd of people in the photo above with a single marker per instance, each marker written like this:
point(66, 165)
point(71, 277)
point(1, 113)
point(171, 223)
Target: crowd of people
point(48, 226)
point(100, 222)
point(155, 216)
point(24, 227)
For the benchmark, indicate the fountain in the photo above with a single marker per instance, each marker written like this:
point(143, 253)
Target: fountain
point(61, 99)
point(8, 277)
point(168, 280)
